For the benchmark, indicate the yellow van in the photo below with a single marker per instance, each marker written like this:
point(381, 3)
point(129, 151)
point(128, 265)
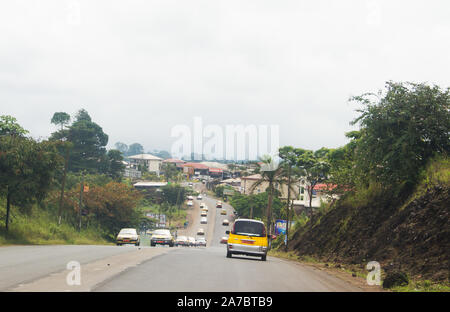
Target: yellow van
point(247, 237)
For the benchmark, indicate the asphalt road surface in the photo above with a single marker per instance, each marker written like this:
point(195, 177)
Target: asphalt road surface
point(160, 268)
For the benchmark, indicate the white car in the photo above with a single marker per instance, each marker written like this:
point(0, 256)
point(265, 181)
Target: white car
point(201, 231)
point(190, 203)
point(203, 214)
point(225, 222)
point(199, 197)
point(190, 197)
point(201, 241)
point(203, 220)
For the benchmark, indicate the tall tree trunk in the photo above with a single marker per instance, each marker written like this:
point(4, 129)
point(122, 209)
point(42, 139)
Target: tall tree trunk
point(8, 208)
point(269, 210)
point(63, 186)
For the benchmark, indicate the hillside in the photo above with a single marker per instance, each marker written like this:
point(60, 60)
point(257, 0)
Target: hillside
point(406, 233)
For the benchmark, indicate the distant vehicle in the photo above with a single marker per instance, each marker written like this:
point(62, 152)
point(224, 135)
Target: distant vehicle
point(191, 184)
point(219, 204)
point(202, 205)
point(203, 220)
point(190, 197)
point(247, 237)
point(225, 222)
point(128, 236)
point(199, 196)
point(203, 213)
point(190, 203)
point(162, 237)
point(191, 241)
point(182, 241)
point(201, 232)
point(223, 212)
point(224, 240)
point(201, 241)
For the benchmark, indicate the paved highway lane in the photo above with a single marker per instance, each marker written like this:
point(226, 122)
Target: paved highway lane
point(183, 269)
point(208, 270)
point(21, 264)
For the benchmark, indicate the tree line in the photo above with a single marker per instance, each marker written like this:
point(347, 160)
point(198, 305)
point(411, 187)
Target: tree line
point(400, 129)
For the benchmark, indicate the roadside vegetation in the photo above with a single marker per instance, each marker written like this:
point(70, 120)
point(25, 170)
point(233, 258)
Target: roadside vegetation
point(69, 189)
point(392, 181)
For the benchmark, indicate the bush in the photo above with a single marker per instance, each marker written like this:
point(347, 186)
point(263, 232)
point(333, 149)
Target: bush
point(394, 279)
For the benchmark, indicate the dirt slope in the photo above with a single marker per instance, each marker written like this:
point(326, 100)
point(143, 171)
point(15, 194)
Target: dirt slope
point(415, 239)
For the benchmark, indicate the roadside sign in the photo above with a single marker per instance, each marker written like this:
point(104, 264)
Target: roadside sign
point(280, 227)
point(228, 192)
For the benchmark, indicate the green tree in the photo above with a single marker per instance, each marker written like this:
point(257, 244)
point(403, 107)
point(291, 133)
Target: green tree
point(60, 118)
point(9, 126)
point(314, 168)
point(28, 169)
point(271, 174)
point(122, 147)
point(115, 165)
point(135, 149)
point(170, 171)
point(289, 162)
point(401, 128)
point(89, 143)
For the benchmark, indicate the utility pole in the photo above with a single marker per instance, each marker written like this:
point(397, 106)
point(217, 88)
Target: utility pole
point(288, 204)
point(80, 205)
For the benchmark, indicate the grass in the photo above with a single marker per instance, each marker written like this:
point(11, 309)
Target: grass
point(40, 228)
point(422, 286)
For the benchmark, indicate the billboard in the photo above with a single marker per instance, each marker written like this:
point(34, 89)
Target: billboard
point(280, 227)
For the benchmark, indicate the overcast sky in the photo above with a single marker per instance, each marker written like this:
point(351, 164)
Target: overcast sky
point(141, 67)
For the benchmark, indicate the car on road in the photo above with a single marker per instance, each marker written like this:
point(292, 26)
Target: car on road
point(225, 222)
point(190, 203)
point(191, 184)
point(182, 241)
point(203, 213)
point(201, 241)
point(162, 237)
point(128, 236)
point(201, 231)
point(191, 241)
point(224, 240)
point(247, 237)
point(190, 197)
point(219, 204)
point(204, 220)
point(199, 197)
point(223, 212)
point(202, 205)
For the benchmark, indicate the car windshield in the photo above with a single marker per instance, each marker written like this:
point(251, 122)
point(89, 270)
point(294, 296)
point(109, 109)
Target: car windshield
point(161, 232)
point(249, 228)
point(128, 231)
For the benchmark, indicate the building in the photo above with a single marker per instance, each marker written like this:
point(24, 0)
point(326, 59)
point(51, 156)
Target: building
point(196, 169)
point(151, 162)
point(177, 162)
point(150, 186)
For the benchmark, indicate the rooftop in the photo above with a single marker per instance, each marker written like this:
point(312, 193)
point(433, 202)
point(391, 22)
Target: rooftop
point(145, 157)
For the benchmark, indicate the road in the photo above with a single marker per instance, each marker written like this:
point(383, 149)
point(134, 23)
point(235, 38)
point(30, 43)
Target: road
point(127, 268)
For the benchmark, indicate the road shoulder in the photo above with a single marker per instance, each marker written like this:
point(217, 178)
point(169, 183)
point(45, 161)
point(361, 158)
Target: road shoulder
point(92, 273)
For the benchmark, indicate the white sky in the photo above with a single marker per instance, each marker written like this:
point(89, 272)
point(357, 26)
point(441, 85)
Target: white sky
point(141, 67)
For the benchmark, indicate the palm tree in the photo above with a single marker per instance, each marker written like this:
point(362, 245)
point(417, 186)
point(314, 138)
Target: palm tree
point(270, 173)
